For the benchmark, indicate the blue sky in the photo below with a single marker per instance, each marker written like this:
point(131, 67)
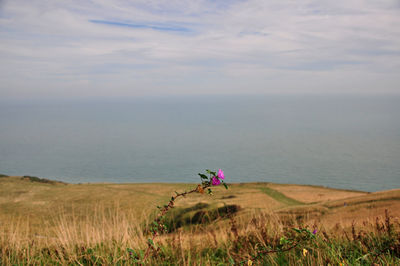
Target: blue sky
point(126, 48)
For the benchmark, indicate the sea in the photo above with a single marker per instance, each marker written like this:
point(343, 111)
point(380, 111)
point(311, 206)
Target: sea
point(338, 141)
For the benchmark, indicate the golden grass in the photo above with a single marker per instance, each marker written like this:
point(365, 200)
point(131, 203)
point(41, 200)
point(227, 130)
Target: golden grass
point(248, 196)
point(61, 218)
point(310, 194)
point(92, 213)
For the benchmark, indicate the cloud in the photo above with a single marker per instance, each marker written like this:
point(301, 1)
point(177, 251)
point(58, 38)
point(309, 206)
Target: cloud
point(127, 48)
point(160, 27)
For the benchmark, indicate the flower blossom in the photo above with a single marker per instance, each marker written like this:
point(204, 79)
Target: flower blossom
point(215, 181)
point(220, 174)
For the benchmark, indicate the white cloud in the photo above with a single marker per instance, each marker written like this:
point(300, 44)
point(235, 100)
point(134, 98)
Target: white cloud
point(53, 48)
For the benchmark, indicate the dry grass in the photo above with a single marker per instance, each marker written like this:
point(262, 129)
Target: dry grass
point(40, 202)
point(248, 196)
point(312, 194)
point(112, 217)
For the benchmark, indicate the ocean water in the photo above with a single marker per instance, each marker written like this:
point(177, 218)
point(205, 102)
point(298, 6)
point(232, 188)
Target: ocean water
point(341, 141)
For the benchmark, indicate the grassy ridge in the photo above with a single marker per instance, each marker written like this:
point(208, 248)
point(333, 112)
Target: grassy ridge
point(56, 223)
point(280, 197)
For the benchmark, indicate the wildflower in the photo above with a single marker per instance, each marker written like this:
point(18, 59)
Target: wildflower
point(220, 174)
point(305, 251)
point(315, 231)
point(249, 262)
point(215, 181)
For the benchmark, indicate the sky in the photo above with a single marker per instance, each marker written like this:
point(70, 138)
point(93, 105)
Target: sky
point(120, 48)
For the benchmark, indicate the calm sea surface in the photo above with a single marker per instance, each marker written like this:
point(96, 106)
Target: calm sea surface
point(338, 141)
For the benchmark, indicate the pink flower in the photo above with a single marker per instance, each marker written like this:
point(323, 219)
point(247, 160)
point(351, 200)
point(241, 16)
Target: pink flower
point(220, 174)
point(215, 181)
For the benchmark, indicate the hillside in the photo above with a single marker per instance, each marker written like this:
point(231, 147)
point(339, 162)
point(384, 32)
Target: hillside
point(47, 222)
point(41, 201)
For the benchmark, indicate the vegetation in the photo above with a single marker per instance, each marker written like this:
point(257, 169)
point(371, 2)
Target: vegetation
point(280, 196)
point(255, 223)
point(39, 180)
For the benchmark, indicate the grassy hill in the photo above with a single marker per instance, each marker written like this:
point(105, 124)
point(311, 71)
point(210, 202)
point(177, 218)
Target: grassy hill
point(38, 214)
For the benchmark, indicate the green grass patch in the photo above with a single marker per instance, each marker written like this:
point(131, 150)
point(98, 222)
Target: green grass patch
point(279, 196)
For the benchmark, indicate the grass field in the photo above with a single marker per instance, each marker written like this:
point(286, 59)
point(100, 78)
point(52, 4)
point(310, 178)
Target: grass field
point(47, 222)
